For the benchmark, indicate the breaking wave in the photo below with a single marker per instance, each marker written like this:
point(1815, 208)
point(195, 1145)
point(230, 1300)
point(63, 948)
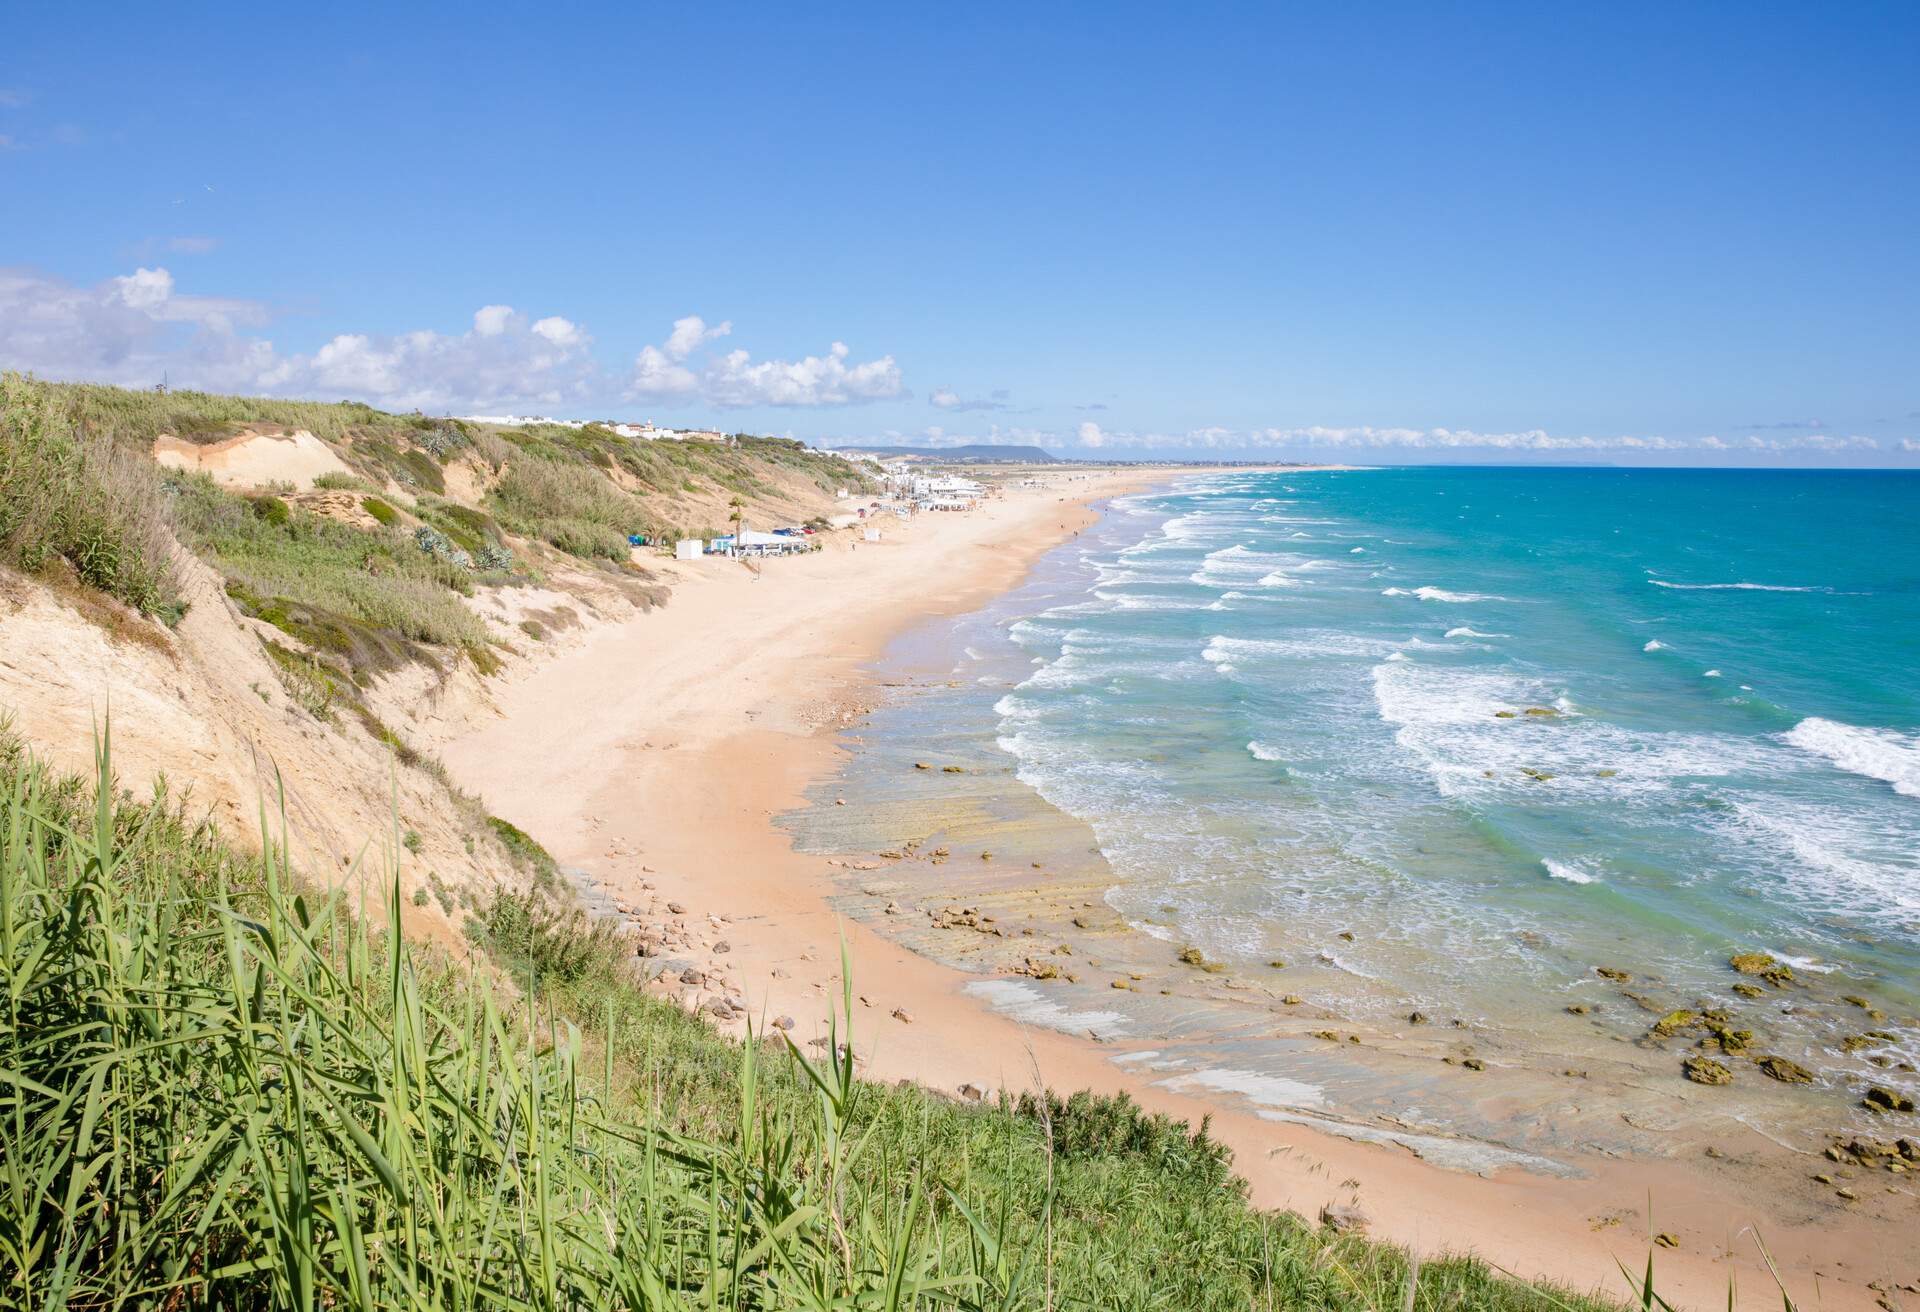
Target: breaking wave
point(1882, 754)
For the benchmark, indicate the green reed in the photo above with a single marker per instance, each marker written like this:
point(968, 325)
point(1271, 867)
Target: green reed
point(223, 1087)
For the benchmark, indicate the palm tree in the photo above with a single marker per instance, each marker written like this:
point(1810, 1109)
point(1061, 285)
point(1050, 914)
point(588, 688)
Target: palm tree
point(739, 510)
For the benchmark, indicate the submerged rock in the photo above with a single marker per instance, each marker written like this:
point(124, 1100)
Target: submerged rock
point(1608, 972)
point(1776, 973)
point(1705, 1070)
point(1886, 1100)
point(1787, 1072)
point(1728, 1040)
point(1673, 1023)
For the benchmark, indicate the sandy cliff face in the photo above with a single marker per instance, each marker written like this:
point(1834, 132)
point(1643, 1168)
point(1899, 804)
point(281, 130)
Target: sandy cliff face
point(253, 459)
point(202, 706)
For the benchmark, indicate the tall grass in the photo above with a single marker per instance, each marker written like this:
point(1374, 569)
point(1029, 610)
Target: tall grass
point(71, 498)
point(137, 418)
point(571, 506)
point(222, 1088)
point(323, 581)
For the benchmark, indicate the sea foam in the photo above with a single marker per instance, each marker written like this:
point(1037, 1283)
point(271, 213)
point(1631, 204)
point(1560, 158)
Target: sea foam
point(1881, 754)
point(1441, 594)
point(1571, 874)
point(1739, 587)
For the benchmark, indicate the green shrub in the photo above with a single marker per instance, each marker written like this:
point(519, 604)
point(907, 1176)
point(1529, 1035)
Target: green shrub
point(435, 543)
point(382, 513)
point(440, 440)
point(571, 507)
point(529, 933)
point(313, 687)
point(526, 852)
point(69, 497)
point(370, 596)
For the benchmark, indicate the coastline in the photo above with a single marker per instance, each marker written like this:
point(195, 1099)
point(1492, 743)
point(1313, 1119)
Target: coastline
point(654, 758)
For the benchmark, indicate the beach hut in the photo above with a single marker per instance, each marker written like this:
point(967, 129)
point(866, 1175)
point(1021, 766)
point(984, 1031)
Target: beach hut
point(689, 549)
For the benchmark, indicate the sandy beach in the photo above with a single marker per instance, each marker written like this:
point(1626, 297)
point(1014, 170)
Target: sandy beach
point(653, 758)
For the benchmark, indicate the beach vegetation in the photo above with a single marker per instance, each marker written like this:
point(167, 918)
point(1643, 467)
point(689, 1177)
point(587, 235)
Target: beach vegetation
point(373, 598)
point(75, 502)
point(569, 506)
point(526, 852)
point(223, 1086)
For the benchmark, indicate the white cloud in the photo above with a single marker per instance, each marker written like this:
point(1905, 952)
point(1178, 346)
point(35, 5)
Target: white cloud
point(1910, 444)
point(492, 320)
point(139, 328)
point(655, 374)
point(1534, 439)
point(945, 398)
point(134, 329)
point(1328, 440)
point(145, 289)
point(502, 362)
point(735, 380)
point(691, 333)
point(561, 332)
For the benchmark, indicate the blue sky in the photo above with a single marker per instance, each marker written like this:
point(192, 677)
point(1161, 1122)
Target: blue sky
point(1648, 233)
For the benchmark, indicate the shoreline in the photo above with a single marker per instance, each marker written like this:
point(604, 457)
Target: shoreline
point(655, 757)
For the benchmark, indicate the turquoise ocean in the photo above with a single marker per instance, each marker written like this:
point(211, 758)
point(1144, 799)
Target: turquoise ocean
point(1449, 739)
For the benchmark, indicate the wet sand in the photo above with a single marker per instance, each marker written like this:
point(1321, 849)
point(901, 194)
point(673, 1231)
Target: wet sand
point(656, 759)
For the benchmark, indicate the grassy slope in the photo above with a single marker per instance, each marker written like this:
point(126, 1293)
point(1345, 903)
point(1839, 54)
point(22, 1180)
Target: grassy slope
point(78, 493)
point(217, 1087)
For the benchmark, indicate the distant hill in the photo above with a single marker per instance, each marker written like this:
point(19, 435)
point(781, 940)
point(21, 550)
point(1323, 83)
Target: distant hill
point(977, 453)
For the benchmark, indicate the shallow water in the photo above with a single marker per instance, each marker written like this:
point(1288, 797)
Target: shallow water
point(1447, 740)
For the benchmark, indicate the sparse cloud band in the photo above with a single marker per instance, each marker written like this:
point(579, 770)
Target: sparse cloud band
point(139, 328)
